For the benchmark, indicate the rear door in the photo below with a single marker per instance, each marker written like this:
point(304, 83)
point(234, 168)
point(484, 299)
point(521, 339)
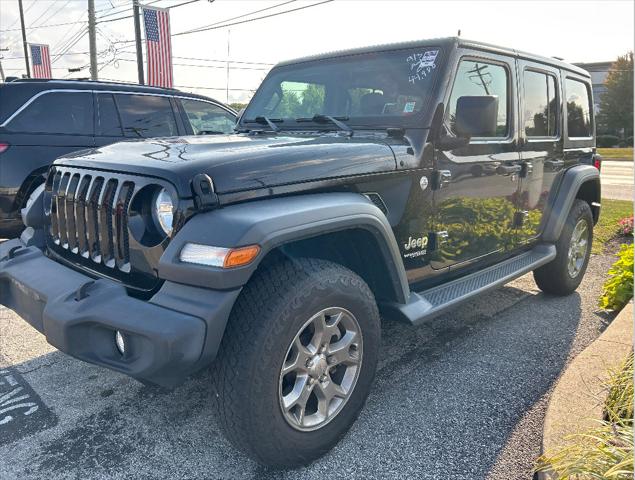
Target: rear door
point(541, 144)
point(475, 204)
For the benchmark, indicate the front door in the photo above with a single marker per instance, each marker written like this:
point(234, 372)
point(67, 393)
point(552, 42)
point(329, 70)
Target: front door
point(541, 142)
point(475, 201)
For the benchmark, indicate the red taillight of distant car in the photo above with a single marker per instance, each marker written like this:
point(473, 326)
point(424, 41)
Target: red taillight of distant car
point(3, 147)
point(597, 161)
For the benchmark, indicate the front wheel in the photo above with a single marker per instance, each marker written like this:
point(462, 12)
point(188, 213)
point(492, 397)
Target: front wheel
point(563, 274)
point(297, 361)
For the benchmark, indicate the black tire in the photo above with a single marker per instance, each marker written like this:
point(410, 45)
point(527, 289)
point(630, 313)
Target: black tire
point(554, 277)
point(271, 310)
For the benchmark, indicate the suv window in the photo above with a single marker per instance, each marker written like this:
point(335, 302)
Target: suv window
point(477, 78)
point(108, 124)
point(146, 116)
point(578, 109)
point(206, 117)
point(57, 112)
point(541, 104)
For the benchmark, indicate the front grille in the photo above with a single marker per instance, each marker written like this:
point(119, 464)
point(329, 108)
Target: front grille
point(89, 216)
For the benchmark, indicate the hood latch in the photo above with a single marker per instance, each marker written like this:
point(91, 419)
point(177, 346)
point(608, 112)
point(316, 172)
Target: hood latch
point(205, 197)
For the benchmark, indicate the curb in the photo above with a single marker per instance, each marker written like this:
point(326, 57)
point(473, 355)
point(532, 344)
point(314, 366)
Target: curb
point(577, 398)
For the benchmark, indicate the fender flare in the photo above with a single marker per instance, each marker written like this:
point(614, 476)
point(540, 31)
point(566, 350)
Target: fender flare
point(271, 223)
point(570, 185)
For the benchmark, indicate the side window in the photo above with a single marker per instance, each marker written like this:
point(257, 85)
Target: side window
point(208, 118)
point(108, 124)
point(57, 112)
point(578, 109)
point(146, 116)
point(541, 105)
point(476, 78)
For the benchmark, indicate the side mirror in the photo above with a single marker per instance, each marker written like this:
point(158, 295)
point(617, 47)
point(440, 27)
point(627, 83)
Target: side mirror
point(476, 116)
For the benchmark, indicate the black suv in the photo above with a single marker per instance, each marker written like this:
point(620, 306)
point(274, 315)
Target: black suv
point(43, 119)
point(394, 181)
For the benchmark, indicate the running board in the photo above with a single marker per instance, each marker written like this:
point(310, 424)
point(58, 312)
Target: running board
point(429, 303)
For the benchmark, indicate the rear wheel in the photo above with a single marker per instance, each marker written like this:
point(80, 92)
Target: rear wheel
point(562, 275)
point(297, 361)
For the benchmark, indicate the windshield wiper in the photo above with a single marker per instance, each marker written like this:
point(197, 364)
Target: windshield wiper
point(319, 118)
point(266, 121)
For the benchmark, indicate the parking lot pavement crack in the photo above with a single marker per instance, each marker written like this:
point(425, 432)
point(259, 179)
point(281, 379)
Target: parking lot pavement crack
point(25, 372)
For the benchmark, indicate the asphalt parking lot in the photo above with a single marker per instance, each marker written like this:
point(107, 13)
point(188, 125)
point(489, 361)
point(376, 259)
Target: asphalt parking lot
point(462, 397)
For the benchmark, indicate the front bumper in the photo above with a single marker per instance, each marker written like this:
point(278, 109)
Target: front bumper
point(175, 333)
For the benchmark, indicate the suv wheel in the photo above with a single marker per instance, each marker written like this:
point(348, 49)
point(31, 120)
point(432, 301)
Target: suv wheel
point(297, 361)
point(563, 275)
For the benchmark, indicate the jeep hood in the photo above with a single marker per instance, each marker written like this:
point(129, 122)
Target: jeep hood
point(241, 162)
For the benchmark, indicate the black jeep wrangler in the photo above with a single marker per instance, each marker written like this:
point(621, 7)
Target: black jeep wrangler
point(394, 181)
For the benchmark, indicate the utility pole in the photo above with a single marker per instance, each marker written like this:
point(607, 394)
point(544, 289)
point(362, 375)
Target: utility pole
point(92, 40)
point(26, 49)
point(137, 38)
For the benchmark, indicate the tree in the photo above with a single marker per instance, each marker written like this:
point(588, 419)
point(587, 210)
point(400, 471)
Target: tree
point(616, 104)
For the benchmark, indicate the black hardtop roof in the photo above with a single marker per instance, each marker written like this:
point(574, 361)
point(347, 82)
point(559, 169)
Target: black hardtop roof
point(46, 84)
point(447, 42)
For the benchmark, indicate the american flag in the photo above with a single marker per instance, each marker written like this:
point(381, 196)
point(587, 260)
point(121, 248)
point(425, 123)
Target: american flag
point(158, 45)
point(40, 60)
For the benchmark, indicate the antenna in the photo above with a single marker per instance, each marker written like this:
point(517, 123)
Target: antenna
point(458, 33)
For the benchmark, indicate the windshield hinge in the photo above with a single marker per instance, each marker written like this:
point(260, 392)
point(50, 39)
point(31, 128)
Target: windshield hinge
point(205, 197)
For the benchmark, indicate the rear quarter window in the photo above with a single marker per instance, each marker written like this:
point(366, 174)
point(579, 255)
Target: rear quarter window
point(69, 113)
point(578, 109)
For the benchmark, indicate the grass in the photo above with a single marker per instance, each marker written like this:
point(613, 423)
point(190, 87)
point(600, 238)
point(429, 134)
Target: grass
point(605, 452)
point(606, 229)
point(608, 153)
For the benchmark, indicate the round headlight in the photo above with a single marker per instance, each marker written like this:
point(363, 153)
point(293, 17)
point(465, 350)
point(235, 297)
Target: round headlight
point(163, 211)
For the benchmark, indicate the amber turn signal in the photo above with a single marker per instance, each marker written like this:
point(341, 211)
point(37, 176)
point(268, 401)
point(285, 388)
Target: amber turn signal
point(238, 257)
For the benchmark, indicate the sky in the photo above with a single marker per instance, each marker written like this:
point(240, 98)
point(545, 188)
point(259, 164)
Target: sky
point(575, 30)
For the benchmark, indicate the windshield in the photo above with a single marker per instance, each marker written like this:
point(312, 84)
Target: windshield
point(379, 88)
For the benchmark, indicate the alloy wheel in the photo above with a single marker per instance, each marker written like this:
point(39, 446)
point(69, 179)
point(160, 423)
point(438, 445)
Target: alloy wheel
point(320, 369)
point(578, 248)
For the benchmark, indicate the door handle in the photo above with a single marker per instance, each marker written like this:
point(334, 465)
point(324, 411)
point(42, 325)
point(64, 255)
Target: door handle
point(508, 169)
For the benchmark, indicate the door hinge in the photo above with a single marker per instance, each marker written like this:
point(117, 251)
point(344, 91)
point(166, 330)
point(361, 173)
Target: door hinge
point(441, 179)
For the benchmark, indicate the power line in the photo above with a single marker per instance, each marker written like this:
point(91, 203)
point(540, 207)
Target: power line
point(130, 16)
point(51, 5)
point(54, 13)
point(18, 18)
point(242, 16)
point(210, 27)
point(41, 26)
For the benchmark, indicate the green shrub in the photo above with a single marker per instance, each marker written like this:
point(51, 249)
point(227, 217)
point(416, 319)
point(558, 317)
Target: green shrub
point(605, 452)
point(607, 141)
point(618, 289)
point(619, 400)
